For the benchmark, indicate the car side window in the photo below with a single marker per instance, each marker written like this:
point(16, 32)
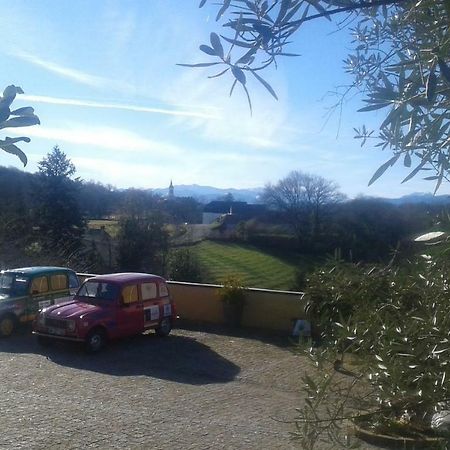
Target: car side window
point(130, 294)
point(39, 285)
point(163, 291)
point(58, 282)
point(73, 281)
point(148, 291)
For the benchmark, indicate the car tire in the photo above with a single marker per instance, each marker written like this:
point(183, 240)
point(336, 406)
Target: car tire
point(95, 340)
point(8, 324)
point(164, 327)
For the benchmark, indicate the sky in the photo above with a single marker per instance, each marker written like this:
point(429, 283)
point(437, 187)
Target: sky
point(103, 78)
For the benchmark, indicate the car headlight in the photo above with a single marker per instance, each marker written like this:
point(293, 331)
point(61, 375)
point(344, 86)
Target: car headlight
point(71, 325)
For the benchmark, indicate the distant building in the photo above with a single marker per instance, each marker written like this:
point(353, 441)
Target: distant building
point(238, 210)
point(171, 190)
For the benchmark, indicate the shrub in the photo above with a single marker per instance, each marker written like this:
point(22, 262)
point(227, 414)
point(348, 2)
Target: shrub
point(395, 323)
point(184, 266)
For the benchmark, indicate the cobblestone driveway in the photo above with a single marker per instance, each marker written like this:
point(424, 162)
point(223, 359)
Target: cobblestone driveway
point(192, 390)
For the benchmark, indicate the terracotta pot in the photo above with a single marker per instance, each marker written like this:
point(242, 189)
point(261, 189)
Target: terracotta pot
point(232, 315)
point(399, 442)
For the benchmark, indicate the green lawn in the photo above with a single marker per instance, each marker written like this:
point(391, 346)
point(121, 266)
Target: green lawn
point(111, 226)
point(255, 267)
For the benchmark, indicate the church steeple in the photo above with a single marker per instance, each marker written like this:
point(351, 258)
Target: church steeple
point(171, 193)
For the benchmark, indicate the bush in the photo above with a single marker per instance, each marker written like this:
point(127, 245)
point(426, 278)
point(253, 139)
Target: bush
point(184, 266)
point(395, 323)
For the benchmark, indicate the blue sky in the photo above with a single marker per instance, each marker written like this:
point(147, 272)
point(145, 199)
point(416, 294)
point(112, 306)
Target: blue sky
point(103, 79)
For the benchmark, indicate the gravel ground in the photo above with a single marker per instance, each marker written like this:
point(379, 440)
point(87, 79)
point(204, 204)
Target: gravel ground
point(191, 390)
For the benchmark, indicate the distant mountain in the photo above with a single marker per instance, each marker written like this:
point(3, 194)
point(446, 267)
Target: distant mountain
point(419, 197)
point(206, 194)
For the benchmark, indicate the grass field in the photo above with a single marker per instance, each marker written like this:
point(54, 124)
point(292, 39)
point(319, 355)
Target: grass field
point(255, 267)
point(111, 226)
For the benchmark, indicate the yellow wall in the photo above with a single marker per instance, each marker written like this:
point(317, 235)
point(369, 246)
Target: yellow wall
point(271, 310)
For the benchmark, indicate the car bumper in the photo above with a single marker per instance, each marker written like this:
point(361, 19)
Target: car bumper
point(57, 336)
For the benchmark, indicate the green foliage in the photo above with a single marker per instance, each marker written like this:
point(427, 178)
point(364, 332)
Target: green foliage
point(21, 117)
point(400, 60)
point(142, 245)
point(371, 229)
point(392, 324)
point(57, 212)
point(56, 165)
point(233, 292)
point(183, 265)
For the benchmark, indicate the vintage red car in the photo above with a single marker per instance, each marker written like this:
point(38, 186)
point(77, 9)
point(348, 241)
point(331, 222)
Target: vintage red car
point(109, 307)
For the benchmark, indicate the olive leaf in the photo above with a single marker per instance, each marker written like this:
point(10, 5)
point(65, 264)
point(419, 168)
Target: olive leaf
point(383, 169)
point(24, 117)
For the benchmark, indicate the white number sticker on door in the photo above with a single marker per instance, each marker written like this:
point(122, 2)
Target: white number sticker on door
point(151, 313)
point(167, 309)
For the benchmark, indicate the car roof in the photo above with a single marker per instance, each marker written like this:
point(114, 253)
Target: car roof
point(38, 270)
point(127, 277)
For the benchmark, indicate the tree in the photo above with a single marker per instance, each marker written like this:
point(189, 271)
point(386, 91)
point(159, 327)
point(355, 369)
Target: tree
point(184, 266)
point(56, 165)
point(138, 203)
point(400, 60)
point(23, 117)
point(368, 229)
point(302, 199)
point(57, 211)
point(142, 245)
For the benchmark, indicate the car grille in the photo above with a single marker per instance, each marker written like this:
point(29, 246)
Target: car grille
point(56, 323)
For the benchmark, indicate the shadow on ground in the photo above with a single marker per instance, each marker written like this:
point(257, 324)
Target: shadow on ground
point(279, 339)
point(175, 358)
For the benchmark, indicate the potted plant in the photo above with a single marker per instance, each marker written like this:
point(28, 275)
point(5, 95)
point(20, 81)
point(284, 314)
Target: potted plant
point(233, 296)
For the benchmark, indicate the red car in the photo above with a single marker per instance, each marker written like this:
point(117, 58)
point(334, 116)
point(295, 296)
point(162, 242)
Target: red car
point(109, 307)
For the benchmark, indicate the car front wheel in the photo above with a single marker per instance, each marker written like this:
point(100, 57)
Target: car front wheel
point(95, 341)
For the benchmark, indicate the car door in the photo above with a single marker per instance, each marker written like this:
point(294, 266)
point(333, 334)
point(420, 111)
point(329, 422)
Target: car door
point(129, 312)
point(59, 287)
point(151, 304)
point(166, 304)
point(39, 296)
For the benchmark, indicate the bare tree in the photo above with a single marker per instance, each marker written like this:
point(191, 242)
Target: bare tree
point(302, 199)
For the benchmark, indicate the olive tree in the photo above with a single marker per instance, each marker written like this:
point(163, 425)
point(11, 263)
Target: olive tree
point(21, 117)
point(400, 62)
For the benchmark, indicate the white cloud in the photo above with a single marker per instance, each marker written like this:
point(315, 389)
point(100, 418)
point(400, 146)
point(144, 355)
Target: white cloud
point(103, 137)
point(202, 114)
point(121, 174)
point(72, 74)
point(271, 126)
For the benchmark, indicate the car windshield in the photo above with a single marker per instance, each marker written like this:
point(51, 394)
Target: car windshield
point(98, 290)
point(13, 284)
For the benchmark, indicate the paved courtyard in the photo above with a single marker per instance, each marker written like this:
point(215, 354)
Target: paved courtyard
point(192, 390)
